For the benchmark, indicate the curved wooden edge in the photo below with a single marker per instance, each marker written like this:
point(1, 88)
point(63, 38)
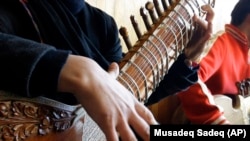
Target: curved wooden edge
point(43, 119)
point(23, 118)
point(169, 111)
point(74, 133)
point(236, 108)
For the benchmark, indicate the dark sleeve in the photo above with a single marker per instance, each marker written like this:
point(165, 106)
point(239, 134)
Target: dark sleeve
point(29, 68)
point(114, 52)
point(105, 28)
point(178, 78)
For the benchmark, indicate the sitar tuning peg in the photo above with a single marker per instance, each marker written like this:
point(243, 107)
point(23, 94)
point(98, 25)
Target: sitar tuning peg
point(150, 7)
point(172, 2)
point(124, 34)
point(145, 18)
point(212, 3)
point(166, 5)
point(136, 27)
point(157, 7)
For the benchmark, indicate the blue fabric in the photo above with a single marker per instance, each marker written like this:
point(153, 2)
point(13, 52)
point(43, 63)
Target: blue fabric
point(74, 6)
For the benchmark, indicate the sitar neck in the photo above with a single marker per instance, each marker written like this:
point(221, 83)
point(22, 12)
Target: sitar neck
point(146, 62)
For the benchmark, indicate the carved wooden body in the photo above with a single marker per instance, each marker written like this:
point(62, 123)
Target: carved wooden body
point(21, 117)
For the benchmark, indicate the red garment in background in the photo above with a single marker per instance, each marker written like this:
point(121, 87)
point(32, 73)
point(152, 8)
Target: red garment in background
point(226, 63)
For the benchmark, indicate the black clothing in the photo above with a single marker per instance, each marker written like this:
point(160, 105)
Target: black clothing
point(31, 58)
point(179, 78)
point(37, 36)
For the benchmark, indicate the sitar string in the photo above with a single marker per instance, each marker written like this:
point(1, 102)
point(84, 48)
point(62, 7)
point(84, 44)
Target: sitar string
point(151, 53)
point(142, 68)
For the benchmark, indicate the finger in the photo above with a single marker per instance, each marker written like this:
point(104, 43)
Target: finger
point(142, 121)
point(110, 131)
point(112, 135)
point(202, 33)
point(196, 48)
point(113, 70)
point(195, 55)
point(200, 23)
point(126, 133)
point(209, 30)
point(140, 127)
point(145, 113)
point(205, 32)
point(210, 12)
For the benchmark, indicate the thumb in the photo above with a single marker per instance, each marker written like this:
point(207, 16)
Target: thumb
point(113, 70)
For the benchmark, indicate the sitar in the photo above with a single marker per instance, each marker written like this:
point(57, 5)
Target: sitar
point(146, 63)
point(141, 70)
point(149, 59)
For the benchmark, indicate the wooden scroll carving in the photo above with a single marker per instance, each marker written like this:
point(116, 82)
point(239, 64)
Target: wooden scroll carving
point(22, 118)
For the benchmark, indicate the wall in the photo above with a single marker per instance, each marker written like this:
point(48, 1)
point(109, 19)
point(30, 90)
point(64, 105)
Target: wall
point(121, 10)
point(223, 10)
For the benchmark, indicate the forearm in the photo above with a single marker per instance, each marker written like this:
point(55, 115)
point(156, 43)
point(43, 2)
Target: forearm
point(76, 74)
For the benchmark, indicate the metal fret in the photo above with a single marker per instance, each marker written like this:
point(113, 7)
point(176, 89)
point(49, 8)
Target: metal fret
point(161, 56)
point(176, 38)
point(151, 65)
point(165, 47)
point(158, 76)
point(133, 81)
point(182, 18)
point(127, 84)
point(177, 24)
point(144, 77)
